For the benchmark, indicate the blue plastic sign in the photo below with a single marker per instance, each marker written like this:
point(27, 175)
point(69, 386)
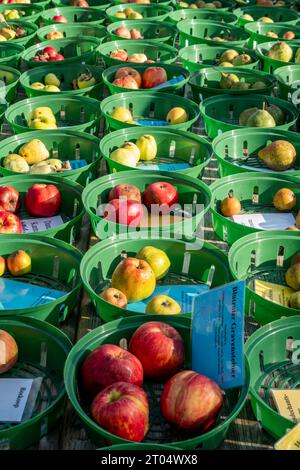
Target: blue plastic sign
point(165, 167)
point(218, 334)
point(17, 294)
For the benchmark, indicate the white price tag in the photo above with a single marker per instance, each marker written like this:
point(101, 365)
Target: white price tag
point(267, 221)
point(14, 394)
point(42, 223)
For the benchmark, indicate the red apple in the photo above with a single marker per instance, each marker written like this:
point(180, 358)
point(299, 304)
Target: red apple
point(149, 61)
point(125, 71)
point(111, 295)
point(160, 349)
point(108, 364)
point(59, 19)
point(8, 351)
point(154, 76)
point(126, 82)
point(122, 409)
point(9, 199)
point(49, 51)
point(191, 401)
point(119, 54)
point(43, 200)
point(10, 223)
point(162, 194)
point(124, 211)
point(127, 191)
point(122, 33)
point(135, 34)
point(55, 58)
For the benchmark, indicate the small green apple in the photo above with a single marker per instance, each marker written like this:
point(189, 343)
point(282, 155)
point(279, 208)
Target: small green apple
point(157, 259)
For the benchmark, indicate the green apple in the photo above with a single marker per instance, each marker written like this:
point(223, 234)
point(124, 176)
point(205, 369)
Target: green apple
point(157, 259)
point(51, 79)
point(163, 305)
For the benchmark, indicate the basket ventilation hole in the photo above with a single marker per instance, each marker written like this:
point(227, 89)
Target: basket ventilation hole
point(75, 18)
point(231, 193)
point(157, 31)
point(245, 148)
point(225, 233)
point(131, 108)
point(205, 33)
point(55, 267)
point(252, 260)
point(255, 195)
point(191, 31)
point(24, 121)
point(186, 262)
point(99, 272)
point(230, 110)
point(280, 256)
point(213, 112)
point(54, 150)
point(192, 156)
point(43, 356)
point(123, 254)
point(82, 114)
point(72, 279)
point(77, 152)
point(172, 149)
point(186, 43)
point(289, 347)
point(152, 109)
point(200, 58)
point(211, 274)
point(44, 427)
point(62, 113)
point(251, 309)
point(261, 361)
point(75, 207)
point(226, 151)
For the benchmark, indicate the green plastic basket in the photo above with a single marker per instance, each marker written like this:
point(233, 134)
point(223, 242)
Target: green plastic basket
point(76, 113)
point(30, 29)
point(152, 31)
point(10, 53)
point(264, 256)
point(221, 113)
point(172, 70)
point(278, 14)
point(258, 31)
point(200, 56)
point(3, 108)
point(226, 5)
point(71, 145)
point(160, 432)
point(255, 193)
point(173, 147)
point(236, 151)
point(152, 2)
point(99, 4)
point(73, 30)
point(74, 15)
point(42, 3)
point(66, 75)
point(269, 65)
point(194, 198)
point(43, 350)
point(71, 209)
point(148, 106)
point(27, 12)
point(205, 82)
point(200, 32)
point(202, 14)
point(207, 265)
point(164, 53)
point(55, 265)
point(10, 77)
point(74, 50)
point(155, 12)
point(270, 359)
point(288, 79)
point(243, 3)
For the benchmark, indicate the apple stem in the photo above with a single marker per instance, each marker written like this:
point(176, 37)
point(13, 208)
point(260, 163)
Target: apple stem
point(123, 343)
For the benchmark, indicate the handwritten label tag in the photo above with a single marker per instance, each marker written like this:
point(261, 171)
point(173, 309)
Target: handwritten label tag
point(266, 221)
point(288, 403)
point(14, 394)
point(42, 223)
point(165, 167)
point(17, 294)
point(218, 334)
point(291, 440)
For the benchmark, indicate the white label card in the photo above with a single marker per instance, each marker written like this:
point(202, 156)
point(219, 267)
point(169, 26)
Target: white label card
point(14, 394)
point(267, 221)
point(42, 223)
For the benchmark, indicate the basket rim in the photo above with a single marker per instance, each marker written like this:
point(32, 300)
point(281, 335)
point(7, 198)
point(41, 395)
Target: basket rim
point(207, 11)
point(69, 9)
point(252, 25)
point(183, 23)
point(165, 24)
point(138, 7)
point(207, 47)
point(131, 43)
point(17, 74)
point(249, 8)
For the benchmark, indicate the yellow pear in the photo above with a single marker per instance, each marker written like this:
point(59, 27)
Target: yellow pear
point(122, 114)
point(34, 151)
point(147, 147)
point(51, 88)
point(14, 162)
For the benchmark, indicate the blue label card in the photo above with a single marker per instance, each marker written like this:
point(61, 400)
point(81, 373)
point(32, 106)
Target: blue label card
point(173, 81)
point(17, 294)
point(218, 334)
point(180, 293)
point(151, 122)
point(165, 167)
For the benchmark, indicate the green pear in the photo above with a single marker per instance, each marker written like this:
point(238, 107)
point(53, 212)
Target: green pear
point(51, 79)
point(277, 114)
point(297, 56)
point(227, 80)
point(34, 151)
point(295, 300)
point(228, 56)
point(281, 51)
point(292, 277)
point(241, 86)
point(258, 85)
point(242, 59)
point(14, 162)
point(244, 116)
point(261, 118)
point(280, 155)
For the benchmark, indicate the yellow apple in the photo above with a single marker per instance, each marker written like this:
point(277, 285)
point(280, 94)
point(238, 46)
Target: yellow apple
point(52, 88)
point(51, 79)
point(34, 151)
point(157, 259)
point(122, 114)
point(124, 157)
point(138, 58)
point(37, 86)
point(120, 14)
point(177, 116)
point(135, 278)
point(147, 147)
point(42, 118)
point(14, 162)
point(163, 305)
point(132, 148)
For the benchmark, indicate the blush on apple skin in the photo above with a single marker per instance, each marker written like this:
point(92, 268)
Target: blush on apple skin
point(108, 364)
point(122, 409)
point(125, 71)
point(154, 76)
point(43, 200)
point(124, 211)
point(191, 401)
point(128, 191)
point(8, 351)
point(160, 193)
point(160, 348)
point(9, 199)
point(10, 223)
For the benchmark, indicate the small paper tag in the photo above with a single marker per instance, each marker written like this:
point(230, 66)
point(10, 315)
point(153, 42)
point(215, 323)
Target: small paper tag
point(165, 167)
point(291, 440)
point(218, 334)
point(266, 221)
point(274, 292)
point(288, 403)
point(42, 223)
point(14, 394)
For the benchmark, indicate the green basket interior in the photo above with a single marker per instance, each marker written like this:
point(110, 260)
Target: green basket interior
point(205, 82)
point(27, 12)
point(269, 65)
point(255, 193)
point(221, 113)
point(156, 12)
point(288, 78)
point(164, 53)
point(226, 5)
point(200, 56)
point(172, 71)
point(190, 264)
point(74, 113)
point(148, 106)
point(74, 15)
point(173, 146)
point(258, 31)
point(269, 355)
point(193, 195)
point(264, 256)
point(10, 53)
point(200, 31)
point(66, 75)
point(278, 14)
point(152, 31)
point(237, 150)
point(55, 265)
point(64, 145)
point(10, 77)
point(202, 14)
point(159, 431)
point(43, 350)
point(29, 28)
point(73, 30)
